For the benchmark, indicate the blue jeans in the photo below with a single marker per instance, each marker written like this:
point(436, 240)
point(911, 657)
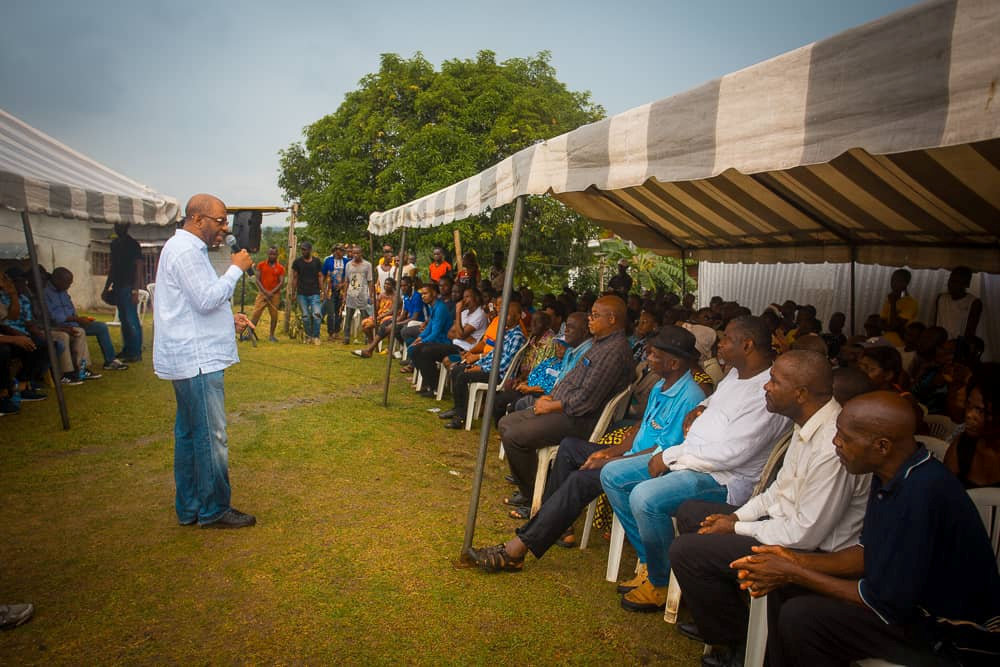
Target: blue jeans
point(645, 506)
point(128, 315)
point(100, 330)
point(311, 307)
point(201, 455)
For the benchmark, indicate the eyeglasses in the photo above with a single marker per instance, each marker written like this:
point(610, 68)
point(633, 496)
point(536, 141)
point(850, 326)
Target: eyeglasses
point(221, 220)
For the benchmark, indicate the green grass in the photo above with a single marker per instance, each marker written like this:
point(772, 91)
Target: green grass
point(361, 519)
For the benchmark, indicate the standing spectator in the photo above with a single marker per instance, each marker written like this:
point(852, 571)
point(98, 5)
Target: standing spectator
point(385, 268)
point(307, 283)
point(270, 278)
point(497, 271)
point(335, 282)
point(125, 279)
point(410, 267)
point(439, 268)
point(621, 283)
point(469, 275)
point(357, 297)
point(194, 341)
point(63, 313)
point(958, 311)
point(899, 307)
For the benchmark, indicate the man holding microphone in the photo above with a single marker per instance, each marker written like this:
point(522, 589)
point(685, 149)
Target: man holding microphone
point(194, 342)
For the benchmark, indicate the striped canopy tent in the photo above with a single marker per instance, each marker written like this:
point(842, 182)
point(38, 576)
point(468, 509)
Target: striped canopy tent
point(41, 176)
point(881, 144)
point(878, 145)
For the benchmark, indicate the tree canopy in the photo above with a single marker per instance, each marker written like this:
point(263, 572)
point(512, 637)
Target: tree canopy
point(409, 130)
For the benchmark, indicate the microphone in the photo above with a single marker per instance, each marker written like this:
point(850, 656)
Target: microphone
point(234, 248)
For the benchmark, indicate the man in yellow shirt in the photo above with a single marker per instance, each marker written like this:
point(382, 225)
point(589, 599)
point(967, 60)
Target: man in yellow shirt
point(899, 308)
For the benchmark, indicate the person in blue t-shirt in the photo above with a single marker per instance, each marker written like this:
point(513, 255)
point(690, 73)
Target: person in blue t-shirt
point(334, 274)
point(576, 476)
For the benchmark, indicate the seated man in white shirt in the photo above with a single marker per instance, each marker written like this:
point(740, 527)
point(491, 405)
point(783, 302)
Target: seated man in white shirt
point(728, 440)
point(814, 504)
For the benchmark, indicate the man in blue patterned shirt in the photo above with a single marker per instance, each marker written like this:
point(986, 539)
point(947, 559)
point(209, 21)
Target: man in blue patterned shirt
point(513, 341)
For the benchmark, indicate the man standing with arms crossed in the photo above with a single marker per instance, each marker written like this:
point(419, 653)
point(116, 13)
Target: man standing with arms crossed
point(194, 342)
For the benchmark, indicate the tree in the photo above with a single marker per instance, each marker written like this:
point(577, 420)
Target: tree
point(409, 130)
point(649, 270)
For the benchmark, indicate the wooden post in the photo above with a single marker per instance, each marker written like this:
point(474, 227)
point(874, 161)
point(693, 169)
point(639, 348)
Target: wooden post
point(458, 251)
point(291, 258)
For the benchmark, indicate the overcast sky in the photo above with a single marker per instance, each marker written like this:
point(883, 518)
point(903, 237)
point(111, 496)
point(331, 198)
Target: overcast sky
point(191, 96)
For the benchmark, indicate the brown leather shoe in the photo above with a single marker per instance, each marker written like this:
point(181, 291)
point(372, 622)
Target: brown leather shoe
point(646, 597)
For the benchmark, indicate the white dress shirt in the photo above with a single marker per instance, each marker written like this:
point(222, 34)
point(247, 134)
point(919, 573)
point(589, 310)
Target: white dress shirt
point(193, 329)
point(733, 437)
point(814, 503)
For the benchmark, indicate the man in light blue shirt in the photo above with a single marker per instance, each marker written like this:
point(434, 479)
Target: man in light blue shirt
point(576, 477)
point(194, 342)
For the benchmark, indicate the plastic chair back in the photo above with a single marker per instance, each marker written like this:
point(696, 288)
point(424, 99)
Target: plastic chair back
point(987, 501)
point(773, 464)
point(941, 427)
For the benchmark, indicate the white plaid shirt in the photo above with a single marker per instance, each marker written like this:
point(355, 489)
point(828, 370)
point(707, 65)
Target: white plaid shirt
point(192, 316)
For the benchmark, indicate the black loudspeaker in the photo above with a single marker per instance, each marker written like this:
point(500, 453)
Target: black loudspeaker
point(246, 229)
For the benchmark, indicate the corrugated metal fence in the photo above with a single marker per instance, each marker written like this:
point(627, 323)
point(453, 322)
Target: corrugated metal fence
point(828, 287)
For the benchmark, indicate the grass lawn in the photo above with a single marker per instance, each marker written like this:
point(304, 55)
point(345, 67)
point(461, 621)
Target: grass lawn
point(360, 510)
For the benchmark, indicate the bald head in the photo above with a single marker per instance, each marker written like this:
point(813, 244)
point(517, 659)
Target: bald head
point(616, 306)
point(810, 370)
point(882, 414)
point(810, 342)
point(202, 204)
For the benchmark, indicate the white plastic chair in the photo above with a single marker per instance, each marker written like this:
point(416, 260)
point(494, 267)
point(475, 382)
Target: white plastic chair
point(143, 300)
point(937, 447)
point(767, 476)
point(443, 374)
point(941, 427)
point(987, 501)
point(546, 455)
point(477, 390)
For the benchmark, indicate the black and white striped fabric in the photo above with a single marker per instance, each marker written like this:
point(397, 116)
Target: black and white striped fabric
point(885, 138)
point(41, 175)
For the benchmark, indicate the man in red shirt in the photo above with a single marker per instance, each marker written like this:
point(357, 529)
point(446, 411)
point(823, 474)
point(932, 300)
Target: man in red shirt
point(270, 278)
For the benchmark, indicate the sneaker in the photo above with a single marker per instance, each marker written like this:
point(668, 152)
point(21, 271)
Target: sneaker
point(232, 518)
point(115, 365)
point(88, 374)
point(33, 395)
point(641, 575)
point(70, 380)
point(397, 355)
point(316, 340)
point(272, 339)
point(645, 597)
point(7, 407)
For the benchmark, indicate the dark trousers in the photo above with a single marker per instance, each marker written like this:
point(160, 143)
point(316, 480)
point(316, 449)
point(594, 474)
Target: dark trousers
point(805, 628)
point(332, 307)
point(426, 356)
point(34, 363)
point(523, 433)
point(567, 492)
point(460, 389)
point(504, 403)
point(701, 565)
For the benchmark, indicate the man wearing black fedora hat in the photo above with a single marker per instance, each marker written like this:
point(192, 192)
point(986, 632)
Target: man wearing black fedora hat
point(576, 476)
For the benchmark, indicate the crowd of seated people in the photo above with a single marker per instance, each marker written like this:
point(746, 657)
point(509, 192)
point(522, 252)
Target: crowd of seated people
point(713, 391)
point(24, 360)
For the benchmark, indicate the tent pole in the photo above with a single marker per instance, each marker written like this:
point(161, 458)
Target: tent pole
point(395, 311)
point(854, 261)
point(484, 431)
point(291, 258)
point(36, 276)
point(684, 282)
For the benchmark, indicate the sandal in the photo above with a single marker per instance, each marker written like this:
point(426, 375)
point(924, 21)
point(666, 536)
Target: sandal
point(568, 539)
point(495, 559)
point(522, 513)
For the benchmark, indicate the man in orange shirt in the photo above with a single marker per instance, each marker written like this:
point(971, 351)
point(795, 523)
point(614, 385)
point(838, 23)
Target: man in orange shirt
point(270, 278)
point(439, 268)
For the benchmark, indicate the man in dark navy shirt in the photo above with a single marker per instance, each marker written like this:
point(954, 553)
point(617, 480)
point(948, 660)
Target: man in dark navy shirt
point(922, 588)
